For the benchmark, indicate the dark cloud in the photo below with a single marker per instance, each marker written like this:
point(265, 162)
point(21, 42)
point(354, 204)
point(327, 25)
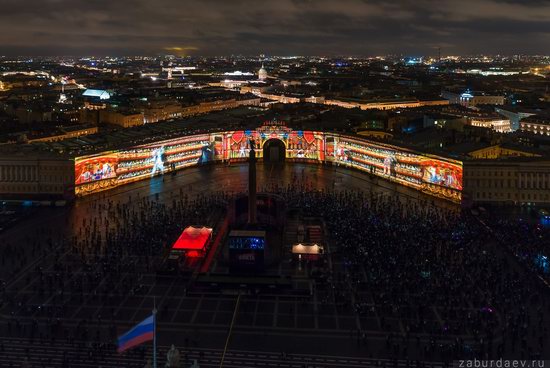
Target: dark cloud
point(321, 27)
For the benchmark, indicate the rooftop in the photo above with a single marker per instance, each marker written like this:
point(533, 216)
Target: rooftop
point(102, 141)
point(101, 94)
point(537, 119)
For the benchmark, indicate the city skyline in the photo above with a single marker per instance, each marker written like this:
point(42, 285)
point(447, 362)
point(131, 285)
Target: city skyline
point(289, 27)
point(290, 183)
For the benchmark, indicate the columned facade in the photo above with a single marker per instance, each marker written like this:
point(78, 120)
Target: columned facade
point(36, 178)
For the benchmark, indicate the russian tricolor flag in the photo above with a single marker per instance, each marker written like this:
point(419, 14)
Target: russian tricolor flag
point(142, 332)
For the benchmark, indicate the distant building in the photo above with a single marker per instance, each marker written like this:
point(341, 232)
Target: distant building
point(31, 114)
point(88, 116)
point(514, 115)
point(124, 119)
point(536, 125)
point(66, 133)
point(512, 181)
point(472, 169)
point(497, 124)
point(375, 134)
point(95, 105)
point(22, 80)
point(450, 122)
point(159, 109)
point(470, 99)
point(262, 73)
point(97, 93)
point(36, 177)
point(501, 151)
point(383, 105)
point(282, 98)
point(315, 99)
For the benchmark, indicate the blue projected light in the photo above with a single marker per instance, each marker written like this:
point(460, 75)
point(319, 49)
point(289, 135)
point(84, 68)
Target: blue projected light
point(542, 262)
point(256, 243)
point(252, 242)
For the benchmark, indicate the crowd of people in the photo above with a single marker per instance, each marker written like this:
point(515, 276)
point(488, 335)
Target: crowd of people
point(100, 260)
point(440, 273)
point(530, 243)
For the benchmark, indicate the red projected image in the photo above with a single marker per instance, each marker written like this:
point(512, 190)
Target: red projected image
point(442, 173)
point(96, 168)
point(298, 144)
point(303, 145)
point(439, 177)
point(431, 174)
point(238, 144)
point(330, 148)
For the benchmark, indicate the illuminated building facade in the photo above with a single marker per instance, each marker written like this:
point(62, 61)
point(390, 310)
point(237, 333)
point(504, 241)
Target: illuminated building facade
point(496, 124)
point(515, 181)
point(433, 175)
point(262, 73)
point(36, 177)
point(469, 99)
point(158, 112)
point(536, 125)
point(82, 175)
point(121, 118)
point(66, 133)
point(501, 151)
point(481, 180)
point(514, 116)
point(385, 105)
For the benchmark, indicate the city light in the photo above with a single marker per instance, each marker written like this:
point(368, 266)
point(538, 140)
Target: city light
point(328, 184)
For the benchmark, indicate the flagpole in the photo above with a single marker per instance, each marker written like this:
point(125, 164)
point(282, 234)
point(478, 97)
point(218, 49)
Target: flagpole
point(230, 329)
point(154, 332)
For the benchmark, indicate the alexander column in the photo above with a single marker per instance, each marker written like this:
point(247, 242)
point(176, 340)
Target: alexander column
point(252, 184)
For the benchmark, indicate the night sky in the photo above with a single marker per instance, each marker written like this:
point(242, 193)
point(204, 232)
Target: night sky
point(278, 27)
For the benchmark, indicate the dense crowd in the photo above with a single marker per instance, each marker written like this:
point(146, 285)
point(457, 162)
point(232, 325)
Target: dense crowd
point(103, 261)
point(441, 273)
point(529, 243)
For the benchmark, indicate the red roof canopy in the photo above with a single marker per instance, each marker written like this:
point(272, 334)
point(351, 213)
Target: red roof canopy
point(193, 238)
